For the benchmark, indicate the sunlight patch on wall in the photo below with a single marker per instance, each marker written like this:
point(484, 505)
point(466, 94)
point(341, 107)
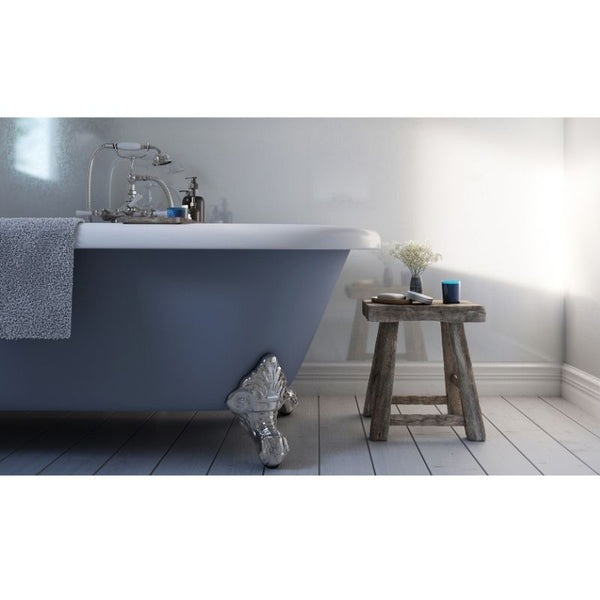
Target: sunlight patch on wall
point(493, 204)
point(33, 147)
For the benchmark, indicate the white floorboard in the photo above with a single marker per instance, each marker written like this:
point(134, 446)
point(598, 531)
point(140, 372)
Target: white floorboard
point(89, 454)
point(327, 436)
point(399, 455)
point(585, 419)
point(546, 453)
point(20, 428)
point(35, 455)
point(301, 429)
point(577, 440)
point(344, 449)
point(141, 453)
point(442, 449)
point(497, 455)
point(197, 446)
point(238, 455)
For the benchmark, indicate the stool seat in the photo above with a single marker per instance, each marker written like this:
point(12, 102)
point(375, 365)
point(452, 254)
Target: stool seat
point(465, 312)
point(461, 396)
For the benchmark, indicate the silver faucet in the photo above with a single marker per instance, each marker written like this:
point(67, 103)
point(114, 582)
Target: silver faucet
point(161, 158)
point(133, 177)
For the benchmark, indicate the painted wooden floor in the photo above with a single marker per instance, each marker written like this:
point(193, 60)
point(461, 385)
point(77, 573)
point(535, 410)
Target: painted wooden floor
point(327, 436)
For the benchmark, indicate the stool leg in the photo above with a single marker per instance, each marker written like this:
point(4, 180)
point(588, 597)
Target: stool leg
point(381, 381)
point(466, 384)
point(450, 372)
point(384, 338)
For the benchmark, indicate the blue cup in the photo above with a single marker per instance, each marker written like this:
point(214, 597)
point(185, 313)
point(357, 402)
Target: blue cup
point(451, 292)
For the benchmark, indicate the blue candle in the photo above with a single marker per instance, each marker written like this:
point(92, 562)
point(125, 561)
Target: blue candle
point(451, 292)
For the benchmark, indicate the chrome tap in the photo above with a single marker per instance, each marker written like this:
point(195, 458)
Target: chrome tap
point(133, 177)
point(160, 158)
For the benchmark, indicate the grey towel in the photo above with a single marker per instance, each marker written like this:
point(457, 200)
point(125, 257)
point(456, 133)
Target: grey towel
point(36, 277)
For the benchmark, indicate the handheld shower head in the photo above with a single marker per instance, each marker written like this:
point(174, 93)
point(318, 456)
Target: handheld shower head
point(161, 158)
point(128, 146)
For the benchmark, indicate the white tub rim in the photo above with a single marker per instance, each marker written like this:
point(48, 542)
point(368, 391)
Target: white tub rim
point(224, 236)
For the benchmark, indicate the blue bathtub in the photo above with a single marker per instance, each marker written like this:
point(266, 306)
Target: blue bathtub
point(172, 317)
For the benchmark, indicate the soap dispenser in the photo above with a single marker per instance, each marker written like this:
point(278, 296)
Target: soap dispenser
point(194, 203)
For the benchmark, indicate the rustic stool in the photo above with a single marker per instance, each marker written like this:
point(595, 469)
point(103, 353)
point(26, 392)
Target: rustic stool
point(461, 392)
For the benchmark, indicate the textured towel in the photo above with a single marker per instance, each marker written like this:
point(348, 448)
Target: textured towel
point(36, 277)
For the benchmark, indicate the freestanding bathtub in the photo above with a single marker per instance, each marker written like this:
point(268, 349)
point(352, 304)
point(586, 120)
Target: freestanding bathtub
point(172, 317)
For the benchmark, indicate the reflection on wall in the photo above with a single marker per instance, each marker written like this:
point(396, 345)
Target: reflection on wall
point(486, 193)
point(43, 164)
point(33, 147)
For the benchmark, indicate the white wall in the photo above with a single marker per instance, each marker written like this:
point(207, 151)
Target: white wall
point(54, 182)
point(487, 193)
point(582, 309)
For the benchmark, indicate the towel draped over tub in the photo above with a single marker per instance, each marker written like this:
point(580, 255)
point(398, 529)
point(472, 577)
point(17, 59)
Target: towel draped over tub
point(36, 277)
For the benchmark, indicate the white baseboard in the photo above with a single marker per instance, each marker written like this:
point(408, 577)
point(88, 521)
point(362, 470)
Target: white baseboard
point(581, 389)
point(493, 379)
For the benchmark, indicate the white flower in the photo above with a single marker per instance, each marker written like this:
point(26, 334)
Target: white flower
point(415, 255)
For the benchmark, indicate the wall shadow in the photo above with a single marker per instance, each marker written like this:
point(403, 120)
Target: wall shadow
point(524, 323)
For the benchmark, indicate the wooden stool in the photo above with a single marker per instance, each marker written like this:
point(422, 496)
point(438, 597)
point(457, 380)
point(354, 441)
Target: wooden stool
point(461, 391)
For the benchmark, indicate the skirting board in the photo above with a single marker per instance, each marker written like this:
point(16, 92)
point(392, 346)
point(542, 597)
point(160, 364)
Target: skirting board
point(414, 378)
point(581, 389)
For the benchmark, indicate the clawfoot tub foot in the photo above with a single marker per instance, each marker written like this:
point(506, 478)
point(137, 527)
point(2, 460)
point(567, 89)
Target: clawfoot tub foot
point(290, 401)
point(257, 401)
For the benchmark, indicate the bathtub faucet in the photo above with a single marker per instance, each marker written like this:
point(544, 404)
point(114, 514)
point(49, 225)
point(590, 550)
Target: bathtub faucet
point(160, 158)
point(129, 208)
point(133, 177)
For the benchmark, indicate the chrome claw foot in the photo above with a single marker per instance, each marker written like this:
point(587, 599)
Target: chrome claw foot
point(273, 449)
point(257, 401)
point(290, 401)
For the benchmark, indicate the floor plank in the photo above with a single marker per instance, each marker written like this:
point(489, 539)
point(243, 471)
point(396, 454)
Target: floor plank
point(19, 428)
point(197, 447)
point(579, 441)
point(497, 455)
point(238, 454)
point(585, 419)
point(546, 453)
point(88, 455)
point(343, 445)
point(399, 455)
point(327, 435)
point(442, 449)
point(142, 452)
point(35, 455)
point(301, 429)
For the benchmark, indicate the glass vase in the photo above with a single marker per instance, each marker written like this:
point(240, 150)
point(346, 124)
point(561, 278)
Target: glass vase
point(416, 284)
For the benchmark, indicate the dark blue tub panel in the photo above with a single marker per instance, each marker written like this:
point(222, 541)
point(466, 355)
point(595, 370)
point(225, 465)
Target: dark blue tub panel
point(171, 329)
